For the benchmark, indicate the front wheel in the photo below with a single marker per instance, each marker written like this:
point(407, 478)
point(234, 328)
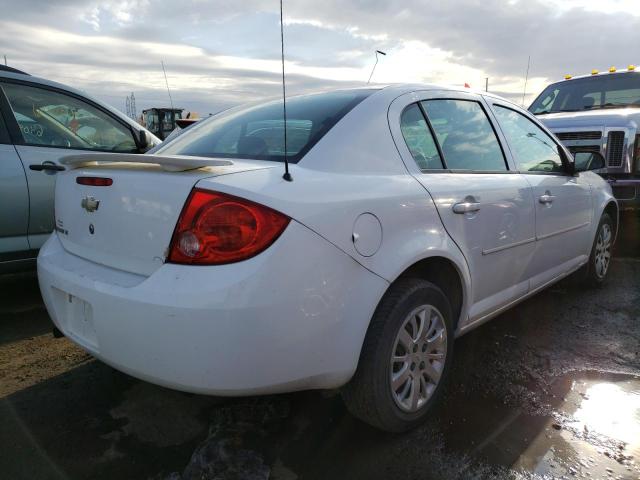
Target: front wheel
point(600, 257)
point(405, 357)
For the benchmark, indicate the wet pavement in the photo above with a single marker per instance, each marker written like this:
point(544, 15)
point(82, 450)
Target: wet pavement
point(550, 389)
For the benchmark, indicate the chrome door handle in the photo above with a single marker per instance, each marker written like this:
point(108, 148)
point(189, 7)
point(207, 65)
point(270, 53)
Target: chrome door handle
point(466, 207)
point(546, 198)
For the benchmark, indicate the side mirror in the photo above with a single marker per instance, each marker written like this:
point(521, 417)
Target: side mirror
point(143, 141)
point(586, 160)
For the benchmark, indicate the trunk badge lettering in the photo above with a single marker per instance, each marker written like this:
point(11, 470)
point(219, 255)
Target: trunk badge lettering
point(90, 204)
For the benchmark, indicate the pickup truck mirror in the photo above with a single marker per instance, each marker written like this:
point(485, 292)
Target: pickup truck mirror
point(588, 160)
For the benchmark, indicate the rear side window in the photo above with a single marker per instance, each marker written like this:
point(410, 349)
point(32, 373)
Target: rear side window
point(467, 139)
point(257, 131)
point(419, 139)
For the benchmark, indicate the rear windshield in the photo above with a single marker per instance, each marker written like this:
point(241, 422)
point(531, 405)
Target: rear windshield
point(257, 131)
point(590, 93)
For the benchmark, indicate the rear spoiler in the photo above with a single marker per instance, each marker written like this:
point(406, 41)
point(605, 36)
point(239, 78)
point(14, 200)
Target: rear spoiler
point(174, 163)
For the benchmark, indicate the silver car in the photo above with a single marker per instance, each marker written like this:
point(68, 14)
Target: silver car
point(41, 122)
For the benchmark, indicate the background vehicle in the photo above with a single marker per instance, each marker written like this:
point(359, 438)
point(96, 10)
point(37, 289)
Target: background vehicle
point(600, 112)
point(40, 122)
point(415, 214)
point(161, 121)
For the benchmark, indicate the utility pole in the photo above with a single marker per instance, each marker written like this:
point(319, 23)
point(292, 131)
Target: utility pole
point(5, 60)
point(167, 82)
point(526, 78)
point(486, 84)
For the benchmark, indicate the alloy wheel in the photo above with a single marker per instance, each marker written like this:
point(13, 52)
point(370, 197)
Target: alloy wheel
point(418, 358)
point(603, 250)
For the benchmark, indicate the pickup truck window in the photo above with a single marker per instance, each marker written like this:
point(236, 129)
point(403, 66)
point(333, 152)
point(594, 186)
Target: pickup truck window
point(533, 149)
point(590, 93)
point(465, 135)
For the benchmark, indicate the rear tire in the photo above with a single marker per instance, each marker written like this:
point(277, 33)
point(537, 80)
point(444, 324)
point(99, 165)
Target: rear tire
point(600, 257)
point(405, 357)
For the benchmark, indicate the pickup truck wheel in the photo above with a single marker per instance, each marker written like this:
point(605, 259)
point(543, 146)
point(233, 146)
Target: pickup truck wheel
point(405, 358)
point(600, 257)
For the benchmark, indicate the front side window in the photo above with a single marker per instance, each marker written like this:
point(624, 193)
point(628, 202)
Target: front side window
point(419, 139)
point(465, 135)
point(257, 131)
point(52, 119)
point(533, 149)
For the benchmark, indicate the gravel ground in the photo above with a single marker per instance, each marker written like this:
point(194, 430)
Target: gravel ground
point(550, 389)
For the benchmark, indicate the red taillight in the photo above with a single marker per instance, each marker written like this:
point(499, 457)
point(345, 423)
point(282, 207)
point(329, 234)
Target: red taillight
point(216, 228)
point(95, 181)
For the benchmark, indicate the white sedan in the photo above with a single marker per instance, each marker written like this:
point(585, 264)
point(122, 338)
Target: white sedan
point(414, 214)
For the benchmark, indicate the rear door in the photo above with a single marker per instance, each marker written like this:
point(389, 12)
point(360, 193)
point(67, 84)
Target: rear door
point(14, 201)
point(563, 203)
point(49, 124)
point(485, 206)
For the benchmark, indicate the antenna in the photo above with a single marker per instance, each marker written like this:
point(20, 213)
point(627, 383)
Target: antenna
point(374, 65)
point(167, 82)
point(5, 60)
point(526, 78)
point(287, 176)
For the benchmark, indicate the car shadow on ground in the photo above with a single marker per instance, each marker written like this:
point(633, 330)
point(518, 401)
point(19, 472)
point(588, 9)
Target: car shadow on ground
point(94, 422)
point(510, 404)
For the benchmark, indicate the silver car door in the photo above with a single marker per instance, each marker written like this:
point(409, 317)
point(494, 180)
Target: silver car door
point(14, 201)
point(563, 202)
point(52, 125)
point(484, 205)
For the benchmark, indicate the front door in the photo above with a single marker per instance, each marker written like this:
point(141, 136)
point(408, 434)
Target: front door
point(14, 201)
point(485, 207)
point(562, 201)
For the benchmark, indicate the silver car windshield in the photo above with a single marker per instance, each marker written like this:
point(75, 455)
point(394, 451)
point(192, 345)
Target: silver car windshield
point(590, 93)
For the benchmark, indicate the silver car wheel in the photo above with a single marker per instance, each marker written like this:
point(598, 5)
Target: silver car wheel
point(603, 250)
point(418, 358)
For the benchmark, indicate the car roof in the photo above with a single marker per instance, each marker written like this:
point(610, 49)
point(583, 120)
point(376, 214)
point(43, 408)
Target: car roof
point(6, 68)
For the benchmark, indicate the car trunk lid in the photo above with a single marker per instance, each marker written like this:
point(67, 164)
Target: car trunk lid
point(128, 222)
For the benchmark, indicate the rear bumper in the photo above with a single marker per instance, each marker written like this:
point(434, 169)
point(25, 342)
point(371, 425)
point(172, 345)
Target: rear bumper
point(291, 318)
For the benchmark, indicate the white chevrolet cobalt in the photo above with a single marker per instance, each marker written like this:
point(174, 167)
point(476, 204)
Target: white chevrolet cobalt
point(413, 214)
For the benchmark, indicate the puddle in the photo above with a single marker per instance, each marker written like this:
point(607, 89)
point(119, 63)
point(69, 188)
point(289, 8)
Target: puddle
point(591, 430)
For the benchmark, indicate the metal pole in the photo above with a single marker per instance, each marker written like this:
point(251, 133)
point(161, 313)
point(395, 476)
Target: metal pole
point(526, 78)
point(486, 84)
point(167, 82)
point(374, 65)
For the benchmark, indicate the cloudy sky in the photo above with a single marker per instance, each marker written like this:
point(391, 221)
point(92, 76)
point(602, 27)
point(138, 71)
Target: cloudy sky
point(218, 53)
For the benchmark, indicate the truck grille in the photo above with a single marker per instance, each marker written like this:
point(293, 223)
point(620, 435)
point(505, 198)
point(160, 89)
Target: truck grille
point(582, 148)
point(615, 149)
point(591, 135)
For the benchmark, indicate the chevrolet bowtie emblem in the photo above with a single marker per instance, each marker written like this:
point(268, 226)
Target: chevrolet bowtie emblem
point(90, 204)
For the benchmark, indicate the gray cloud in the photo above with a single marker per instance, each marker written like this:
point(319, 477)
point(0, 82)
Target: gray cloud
point(495, 36)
